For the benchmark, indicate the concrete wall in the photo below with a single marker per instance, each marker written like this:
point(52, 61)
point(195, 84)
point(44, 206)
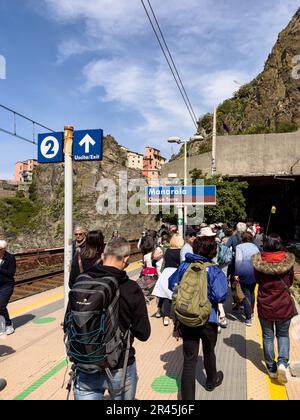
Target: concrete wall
point(266, 154)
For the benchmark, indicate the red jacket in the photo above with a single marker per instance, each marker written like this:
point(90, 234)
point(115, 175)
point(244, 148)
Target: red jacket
point(274, 273)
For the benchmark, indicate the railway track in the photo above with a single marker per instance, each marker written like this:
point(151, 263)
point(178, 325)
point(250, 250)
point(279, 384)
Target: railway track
point(36, 274)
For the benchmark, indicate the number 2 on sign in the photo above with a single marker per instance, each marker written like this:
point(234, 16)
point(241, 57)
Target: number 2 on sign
point(50, 151)
point(49, 147)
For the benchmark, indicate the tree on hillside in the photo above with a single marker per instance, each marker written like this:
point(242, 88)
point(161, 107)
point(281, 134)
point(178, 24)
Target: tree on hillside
point(231, 203)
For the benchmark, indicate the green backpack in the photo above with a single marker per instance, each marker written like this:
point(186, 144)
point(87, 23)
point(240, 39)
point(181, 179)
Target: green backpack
point(190, 300)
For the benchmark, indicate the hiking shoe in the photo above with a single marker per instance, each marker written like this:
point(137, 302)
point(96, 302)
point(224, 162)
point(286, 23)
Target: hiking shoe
point(273, 375)
point(166, 321)
point(223, 322)
point(9, 330)
point(248, 322)
point(282, 374)
point(219, 379)
point(158, 314)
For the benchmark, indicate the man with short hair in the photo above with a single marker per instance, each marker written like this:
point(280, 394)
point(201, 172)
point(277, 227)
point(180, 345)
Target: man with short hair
point(188, 246)
point(7, 282)
point(133, 315)
point(80, 238)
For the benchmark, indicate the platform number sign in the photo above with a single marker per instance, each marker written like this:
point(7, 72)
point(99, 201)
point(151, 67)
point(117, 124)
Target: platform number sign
point(50, 148)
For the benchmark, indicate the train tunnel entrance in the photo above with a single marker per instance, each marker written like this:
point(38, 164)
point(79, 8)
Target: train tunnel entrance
point(281, 192)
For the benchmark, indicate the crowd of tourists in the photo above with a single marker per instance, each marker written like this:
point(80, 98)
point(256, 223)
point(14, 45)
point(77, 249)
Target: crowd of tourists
point(191, 280)
point(183, 274)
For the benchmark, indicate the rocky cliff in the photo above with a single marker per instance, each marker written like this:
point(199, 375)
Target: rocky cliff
point(270, 103)
point(46, 226)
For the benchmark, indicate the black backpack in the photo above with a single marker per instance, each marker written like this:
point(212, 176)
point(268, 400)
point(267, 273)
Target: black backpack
point(93, 338)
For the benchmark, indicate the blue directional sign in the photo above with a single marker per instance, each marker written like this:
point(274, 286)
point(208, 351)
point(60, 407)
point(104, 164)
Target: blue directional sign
point(50, 148)
point(88, 145)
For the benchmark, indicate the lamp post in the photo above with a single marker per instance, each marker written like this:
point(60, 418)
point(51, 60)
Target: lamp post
point(214, 144)
point(178, 140)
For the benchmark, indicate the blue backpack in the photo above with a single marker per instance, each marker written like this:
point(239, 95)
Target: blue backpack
point(225, 255)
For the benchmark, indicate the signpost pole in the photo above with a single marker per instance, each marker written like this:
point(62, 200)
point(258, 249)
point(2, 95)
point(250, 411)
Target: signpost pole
point(69, 134)
point(180, 220)
point(184, 227)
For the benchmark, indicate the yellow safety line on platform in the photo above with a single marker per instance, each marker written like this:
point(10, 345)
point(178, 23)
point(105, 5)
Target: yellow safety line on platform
point(134, 266)
point(277, 390)
point(37, 305)
point(58, 297)
point(259, 385)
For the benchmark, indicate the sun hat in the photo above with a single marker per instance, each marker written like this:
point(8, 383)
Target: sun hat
point(241, 227)
point(206, 231)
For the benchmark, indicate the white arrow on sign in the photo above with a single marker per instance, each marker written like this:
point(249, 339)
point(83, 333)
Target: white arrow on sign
point(87, 141)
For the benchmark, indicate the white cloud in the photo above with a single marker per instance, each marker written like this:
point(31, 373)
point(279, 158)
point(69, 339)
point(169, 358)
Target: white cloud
point(212, 47)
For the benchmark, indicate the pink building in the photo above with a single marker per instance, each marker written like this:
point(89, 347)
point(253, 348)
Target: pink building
point(153, 162)
point(24, 170)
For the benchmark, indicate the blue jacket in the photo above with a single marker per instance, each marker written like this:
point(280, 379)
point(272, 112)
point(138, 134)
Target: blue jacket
point(217, 287)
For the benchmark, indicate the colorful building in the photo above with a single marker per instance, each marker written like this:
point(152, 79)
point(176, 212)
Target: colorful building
point(152, 165)
point(135, 160)
point(24, 170)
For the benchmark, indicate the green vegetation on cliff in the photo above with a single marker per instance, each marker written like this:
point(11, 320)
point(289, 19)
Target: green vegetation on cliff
point(17, 214)
point(270, 103)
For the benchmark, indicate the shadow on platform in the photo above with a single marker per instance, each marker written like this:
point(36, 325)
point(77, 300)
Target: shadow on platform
point(248, 349)
point(173, 365)
point(19, 321)
point(6, 351)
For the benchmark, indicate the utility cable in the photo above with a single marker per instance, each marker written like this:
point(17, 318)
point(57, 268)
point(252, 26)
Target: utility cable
point(181, 89)
point(174, 65)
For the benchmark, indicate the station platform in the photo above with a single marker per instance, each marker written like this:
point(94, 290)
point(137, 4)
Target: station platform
point(33, 359)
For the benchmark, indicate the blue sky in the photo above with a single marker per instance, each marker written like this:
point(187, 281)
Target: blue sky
point(96, 64)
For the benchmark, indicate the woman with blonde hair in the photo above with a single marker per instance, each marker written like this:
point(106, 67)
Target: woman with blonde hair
point(171, 261)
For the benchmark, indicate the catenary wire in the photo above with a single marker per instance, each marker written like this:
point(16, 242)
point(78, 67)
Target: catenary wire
point(14, 133)
point(190, 110)
point(171, 57)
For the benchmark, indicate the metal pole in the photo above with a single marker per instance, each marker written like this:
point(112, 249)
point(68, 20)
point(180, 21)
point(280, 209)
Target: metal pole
point(69, 133)
point(269, 223)
point(185, 184)
point(214, 144)
point(180, 220)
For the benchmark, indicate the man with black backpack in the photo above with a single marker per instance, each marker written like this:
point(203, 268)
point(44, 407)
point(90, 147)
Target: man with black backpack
point(106, 312)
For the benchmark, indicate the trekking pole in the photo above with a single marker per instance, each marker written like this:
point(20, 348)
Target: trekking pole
point(273, 211)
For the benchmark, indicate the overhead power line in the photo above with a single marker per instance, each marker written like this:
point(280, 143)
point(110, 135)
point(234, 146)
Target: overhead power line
point(170, 61)
point(14, 132)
